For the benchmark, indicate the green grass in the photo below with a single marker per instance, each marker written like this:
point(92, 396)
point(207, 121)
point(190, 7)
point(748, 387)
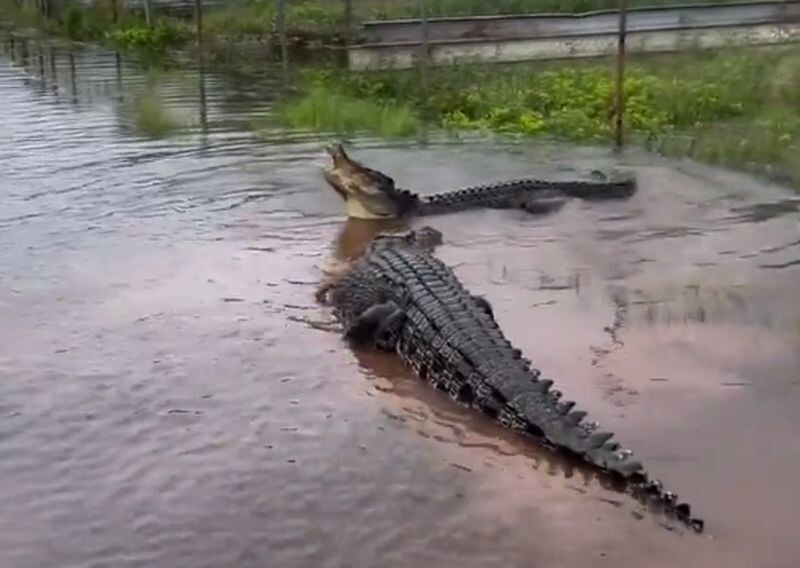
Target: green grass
point(258, 18)
point(329, 110)
point(739, 106)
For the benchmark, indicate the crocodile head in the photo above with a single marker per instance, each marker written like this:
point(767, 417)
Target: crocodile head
point(367, 193)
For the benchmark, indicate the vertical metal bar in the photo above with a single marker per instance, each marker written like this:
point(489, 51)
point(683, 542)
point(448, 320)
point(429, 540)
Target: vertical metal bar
point(198, 19)
point(348, 22)
point(148, 13)
point(424, 47)
point(118, 69)
point(203, 103)
point(283, 38)
point(72, 81)
point(619, 103)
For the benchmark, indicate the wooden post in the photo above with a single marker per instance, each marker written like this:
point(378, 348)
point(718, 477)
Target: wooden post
point(114, 13)
point(283, 38)
point(619, 103)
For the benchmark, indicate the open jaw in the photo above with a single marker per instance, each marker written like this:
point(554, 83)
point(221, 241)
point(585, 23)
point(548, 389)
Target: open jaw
point(367, 193)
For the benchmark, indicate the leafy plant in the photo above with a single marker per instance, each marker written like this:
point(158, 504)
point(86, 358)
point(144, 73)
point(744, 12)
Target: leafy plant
point(154, 39)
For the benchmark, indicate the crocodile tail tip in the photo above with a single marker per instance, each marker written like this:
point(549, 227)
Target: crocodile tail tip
point(651, 492)
point(599, 448)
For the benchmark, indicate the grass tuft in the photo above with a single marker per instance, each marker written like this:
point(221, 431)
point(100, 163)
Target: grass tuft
point(329, 110)
point(150, 118)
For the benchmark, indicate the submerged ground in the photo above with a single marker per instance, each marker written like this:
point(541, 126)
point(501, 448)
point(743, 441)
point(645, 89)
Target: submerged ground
point(168, 398)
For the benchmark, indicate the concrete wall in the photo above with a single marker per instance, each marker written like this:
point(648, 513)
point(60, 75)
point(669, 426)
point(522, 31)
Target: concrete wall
point(524, 38)
point(405, 56)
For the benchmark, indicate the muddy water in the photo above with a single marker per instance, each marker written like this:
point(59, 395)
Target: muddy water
point(171, 396)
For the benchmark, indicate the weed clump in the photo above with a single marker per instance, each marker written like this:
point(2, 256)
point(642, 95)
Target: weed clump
point(151, 40)
point(329, 110)
point(150, 118)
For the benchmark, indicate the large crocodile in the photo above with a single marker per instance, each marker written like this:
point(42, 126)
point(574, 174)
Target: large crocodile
point(370, 194)
point(399, 297)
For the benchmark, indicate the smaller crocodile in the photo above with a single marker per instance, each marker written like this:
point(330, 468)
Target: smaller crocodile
point(399, 297)
point(371, 194)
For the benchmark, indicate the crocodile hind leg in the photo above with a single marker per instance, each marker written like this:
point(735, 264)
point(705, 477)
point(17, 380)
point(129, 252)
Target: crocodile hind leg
point(540, 205)
point(374, 323)
point(484, 305)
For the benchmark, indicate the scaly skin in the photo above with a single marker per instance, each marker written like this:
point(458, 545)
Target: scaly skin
point(370, 194)
point(399, 297)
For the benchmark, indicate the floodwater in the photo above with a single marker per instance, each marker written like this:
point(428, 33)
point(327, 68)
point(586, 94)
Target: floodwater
point(172, 396)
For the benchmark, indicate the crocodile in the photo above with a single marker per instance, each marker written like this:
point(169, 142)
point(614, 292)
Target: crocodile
point(399, 297)
point(371, 194)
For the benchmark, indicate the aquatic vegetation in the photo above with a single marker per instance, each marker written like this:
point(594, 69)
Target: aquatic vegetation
point(332, 111)
point(150, 116)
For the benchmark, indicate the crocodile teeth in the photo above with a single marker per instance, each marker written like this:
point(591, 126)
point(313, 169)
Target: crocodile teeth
point(556, 394)
point(592, 426)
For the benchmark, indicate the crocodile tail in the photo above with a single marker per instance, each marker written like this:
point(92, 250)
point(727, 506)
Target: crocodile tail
point(543, 414)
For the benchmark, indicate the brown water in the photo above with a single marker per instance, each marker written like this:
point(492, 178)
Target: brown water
point(168, 398)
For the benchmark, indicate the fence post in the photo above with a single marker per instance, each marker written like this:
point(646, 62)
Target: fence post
point(198, 20)
point(348, 22)
point(423, 55)
point(284, 40)
point(114, 15)
point(619, 103)
point(148, 13)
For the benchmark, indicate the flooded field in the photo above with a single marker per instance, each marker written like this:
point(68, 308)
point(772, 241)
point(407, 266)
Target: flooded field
point(169, 399)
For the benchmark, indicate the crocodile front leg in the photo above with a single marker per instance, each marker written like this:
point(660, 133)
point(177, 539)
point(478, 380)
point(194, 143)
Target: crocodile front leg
point(375, 323)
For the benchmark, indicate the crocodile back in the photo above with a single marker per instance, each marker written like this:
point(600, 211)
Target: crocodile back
point(453, 342)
